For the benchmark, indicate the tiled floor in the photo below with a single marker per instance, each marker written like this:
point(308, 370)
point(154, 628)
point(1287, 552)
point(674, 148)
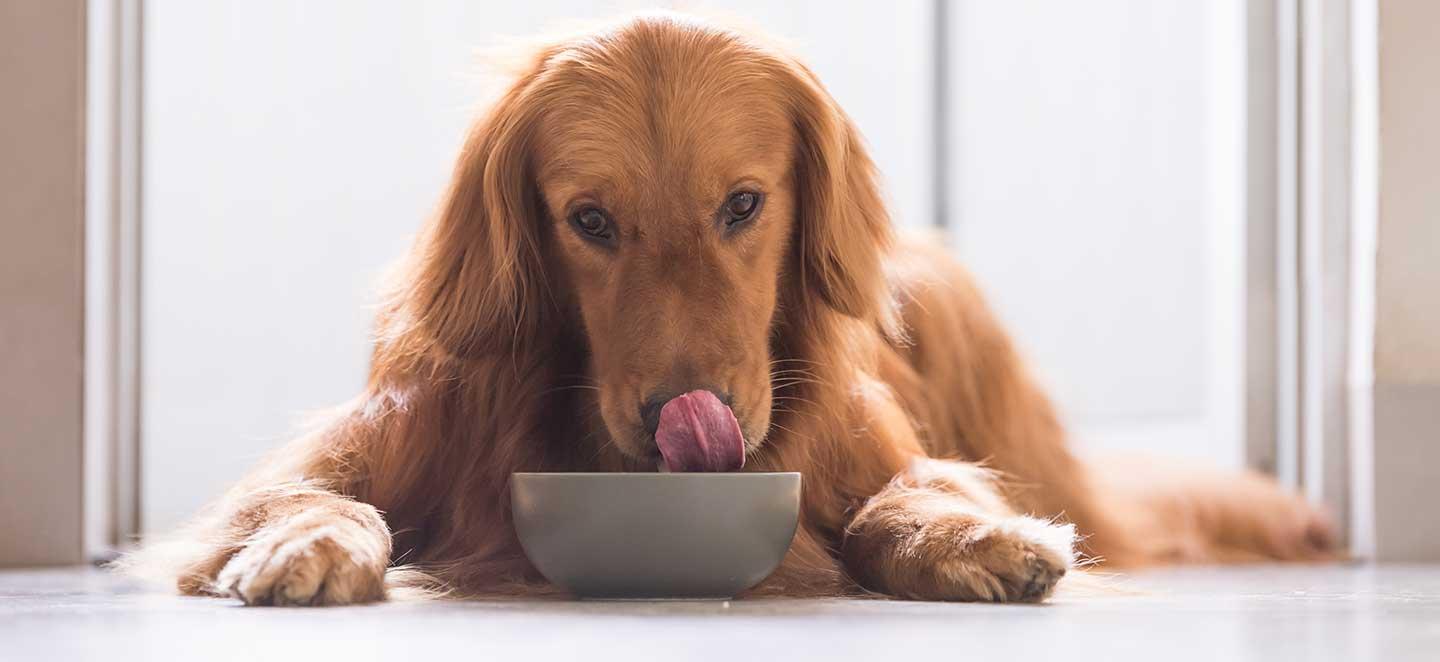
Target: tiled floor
point(1256, 613)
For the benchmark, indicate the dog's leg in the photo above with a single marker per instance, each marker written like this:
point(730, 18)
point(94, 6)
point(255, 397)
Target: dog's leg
point(288, 544)
point(291, 533)
point(940, 531)
point(299, 547)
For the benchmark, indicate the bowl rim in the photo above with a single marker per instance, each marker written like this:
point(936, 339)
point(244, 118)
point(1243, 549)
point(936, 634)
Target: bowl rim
point(659, 474)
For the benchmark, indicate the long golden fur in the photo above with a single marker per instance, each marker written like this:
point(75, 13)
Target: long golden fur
point(511, 341)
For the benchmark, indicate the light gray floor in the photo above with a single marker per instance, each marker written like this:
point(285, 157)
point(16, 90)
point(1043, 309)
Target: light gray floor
point(1255, 613)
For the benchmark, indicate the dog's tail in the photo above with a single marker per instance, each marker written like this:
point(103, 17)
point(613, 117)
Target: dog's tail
point(1163, 510)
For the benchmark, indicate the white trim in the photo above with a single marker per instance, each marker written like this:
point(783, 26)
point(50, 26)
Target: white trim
point(127, 429)
point(1364, 221)
point(1310, 316)
point(1309, 237)
point(112, 244)
point(1259, 317)
point(1335, 280)
point(1287, 322)
point(101, 116)
point(99, 299)
point(1324, 240)
point(1226, 174)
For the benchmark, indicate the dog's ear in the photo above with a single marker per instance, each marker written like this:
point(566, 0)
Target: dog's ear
point(474, 283)
point(843, 225)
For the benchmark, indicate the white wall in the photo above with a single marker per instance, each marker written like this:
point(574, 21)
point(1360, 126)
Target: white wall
point(1096, 166)
point(291, 148)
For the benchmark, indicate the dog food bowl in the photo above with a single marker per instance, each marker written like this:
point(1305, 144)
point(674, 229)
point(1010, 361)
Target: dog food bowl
point(639, 536)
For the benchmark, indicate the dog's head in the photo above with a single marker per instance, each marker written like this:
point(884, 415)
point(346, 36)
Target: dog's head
point(671, 190)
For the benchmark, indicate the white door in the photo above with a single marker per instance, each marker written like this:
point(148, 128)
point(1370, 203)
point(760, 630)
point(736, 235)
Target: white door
point(1096, 180)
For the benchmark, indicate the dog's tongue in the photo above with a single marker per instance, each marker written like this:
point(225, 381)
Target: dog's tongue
point(697, 432)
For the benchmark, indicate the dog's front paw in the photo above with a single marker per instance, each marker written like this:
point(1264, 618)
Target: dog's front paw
point(1015, 559)
point(317, 558)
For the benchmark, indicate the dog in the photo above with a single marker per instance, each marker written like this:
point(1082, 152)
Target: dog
point(664, 246)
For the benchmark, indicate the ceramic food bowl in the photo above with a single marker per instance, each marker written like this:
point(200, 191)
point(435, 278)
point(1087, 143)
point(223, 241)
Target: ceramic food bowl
point(655, 535)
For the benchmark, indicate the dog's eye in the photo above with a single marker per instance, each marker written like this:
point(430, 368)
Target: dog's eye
point(741, 206)
point(592, 222)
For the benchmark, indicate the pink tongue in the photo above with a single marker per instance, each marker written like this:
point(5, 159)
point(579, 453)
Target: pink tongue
point(697, 432)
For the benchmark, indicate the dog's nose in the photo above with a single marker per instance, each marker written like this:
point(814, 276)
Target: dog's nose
point(650, 409)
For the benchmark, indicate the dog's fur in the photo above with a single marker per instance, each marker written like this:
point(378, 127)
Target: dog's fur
point(511, 343)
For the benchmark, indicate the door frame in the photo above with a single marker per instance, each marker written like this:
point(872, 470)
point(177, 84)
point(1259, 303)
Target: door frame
point(113, 244)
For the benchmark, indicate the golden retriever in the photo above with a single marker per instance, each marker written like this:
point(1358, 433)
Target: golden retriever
point(665, 245)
